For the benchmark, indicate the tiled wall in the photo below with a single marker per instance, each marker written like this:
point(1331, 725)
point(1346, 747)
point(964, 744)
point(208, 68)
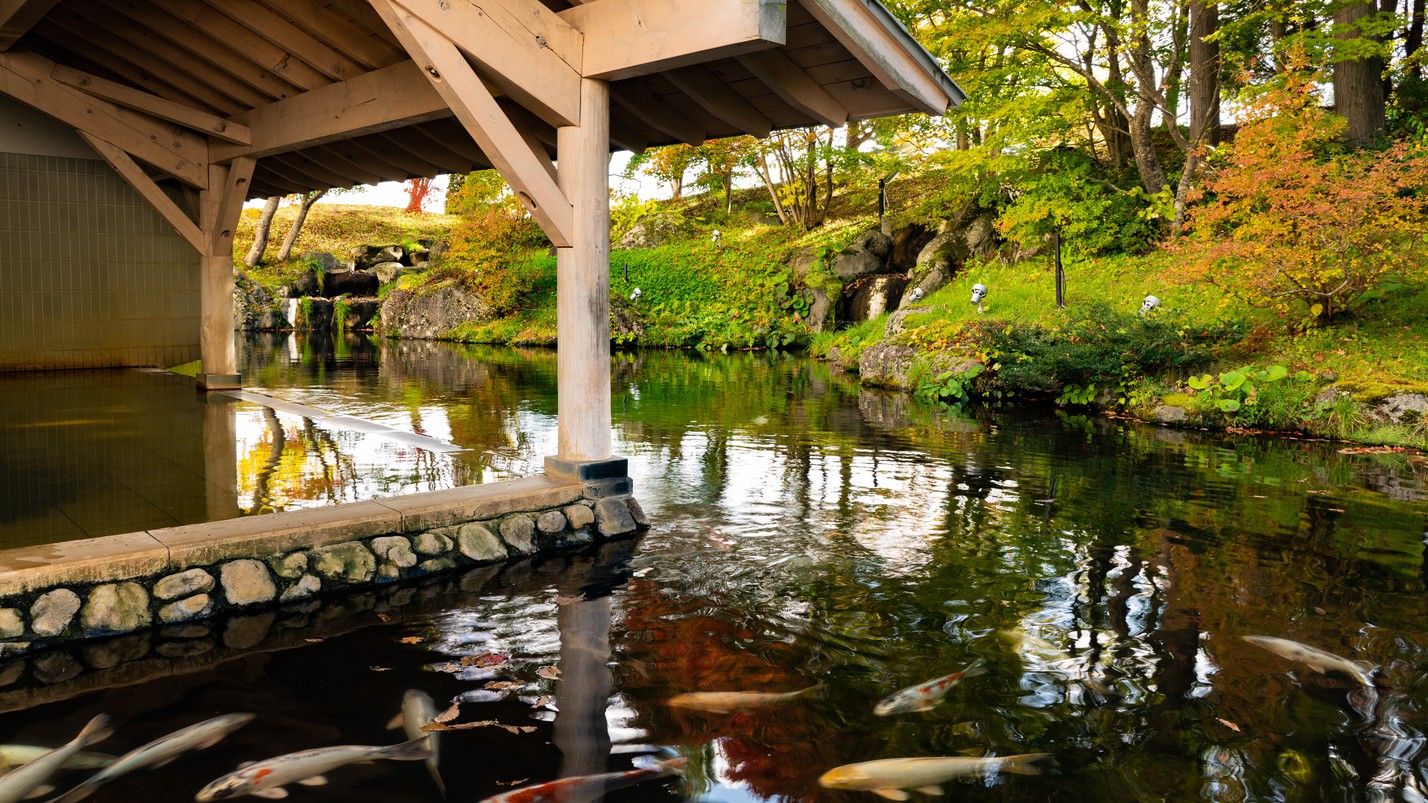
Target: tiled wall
point(90, 275)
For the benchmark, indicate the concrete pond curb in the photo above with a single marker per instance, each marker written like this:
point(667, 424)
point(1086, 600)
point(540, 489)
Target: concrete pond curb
point(114, 585)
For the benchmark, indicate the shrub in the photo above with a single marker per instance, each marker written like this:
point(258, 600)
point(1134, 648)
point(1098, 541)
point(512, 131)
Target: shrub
point(1299, 227)
point(1096, 346)
point(491, 255)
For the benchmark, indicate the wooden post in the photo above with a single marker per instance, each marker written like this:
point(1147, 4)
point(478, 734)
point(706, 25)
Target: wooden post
point(219, 208)
point(583, 281)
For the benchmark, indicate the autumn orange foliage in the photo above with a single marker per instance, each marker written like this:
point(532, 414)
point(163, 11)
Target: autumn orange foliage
point(1297, 224)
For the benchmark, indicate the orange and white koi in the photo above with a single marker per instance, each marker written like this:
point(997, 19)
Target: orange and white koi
point(925, 696)
point(723, 702)
point(595, 785)
point(266, 778)
point(890, 776)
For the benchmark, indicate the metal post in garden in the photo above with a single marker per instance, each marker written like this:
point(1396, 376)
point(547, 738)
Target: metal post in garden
point(1060, 273)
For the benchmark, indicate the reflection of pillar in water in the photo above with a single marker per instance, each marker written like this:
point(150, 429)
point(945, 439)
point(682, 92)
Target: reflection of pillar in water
point(581, 732)
point(220, 458)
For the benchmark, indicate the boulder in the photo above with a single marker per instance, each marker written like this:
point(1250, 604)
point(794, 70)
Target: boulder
point(322, 261)
point(254, 308)
point(313, 314)
point(1400, 408)
point(183, 584)
point(872, 297)
point(186, 609)
point(350, 561)
point(518, 532)
point(308, 283)
point(802, 262)
point(361, 312)
point(477, 542)
point(551, 521)
point(656, 229)
point(430, 314)
point(53, 612)
point(613, 517)
point(116, 608)
point(579, 516)
point(820, 311)
point(12, 623)
point(865, 257)
point(431, 543)
point(886, 365)
point(365, 256)
point(388, 272)
point(246, 582)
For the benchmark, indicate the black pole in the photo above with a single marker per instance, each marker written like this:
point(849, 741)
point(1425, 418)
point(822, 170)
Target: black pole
point(882, 197)
point(1060, 274)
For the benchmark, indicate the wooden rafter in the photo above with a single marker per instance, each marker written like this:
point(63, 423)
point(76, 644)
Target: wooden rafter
point(715, 96)
point(291, 38)
point(638, 99)
point(17, 17)
point(792, 84)
point(362, 166)
point(202, 18)
point(626, 38)
point(130, 171)
point(416, 153)
point(478, 111)
point(26, 77)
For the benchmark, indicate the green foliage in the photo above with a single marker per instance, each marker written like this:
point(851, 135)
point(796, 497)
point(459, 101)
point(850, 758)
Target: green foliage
point(341, 315)
point(476, 193)
point(491, 255)
point(626, 212)
point(1250, 395)
point(950, 387)
point(1096, 345)
point(1069, 189)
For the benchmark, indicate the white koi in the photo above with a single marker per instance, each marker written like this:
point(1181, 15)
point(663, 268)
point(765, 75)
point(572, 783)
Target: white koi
point(723, 702)
point(23, 782)
point(889, 777)
point(419, 710)
point(1325, 663)
point(160, 752)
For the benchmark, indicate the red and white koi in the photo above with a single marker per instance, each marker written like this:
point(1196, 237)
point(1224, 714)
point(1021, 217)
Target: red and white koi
point(266, 778)
point(595, 785)
point(925, 696)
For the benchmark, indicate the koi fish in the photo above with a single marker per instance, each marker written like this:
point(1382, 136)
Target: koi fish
point(23, 782)
point(595, 785)
point(18, 755)
point(1325, 663)
point(724, 702)
point(161, 751)
point(418, 710)
point(890, 776)
point(926, 696)
point(266, 778)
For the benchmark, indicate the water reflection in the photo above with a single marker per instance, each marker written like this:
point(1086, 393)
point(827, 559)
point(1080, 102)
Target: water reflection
point(809, 532)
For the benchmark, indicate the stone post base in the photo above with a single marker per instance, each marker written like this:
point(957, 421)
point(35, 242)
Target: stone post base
point(601, 478)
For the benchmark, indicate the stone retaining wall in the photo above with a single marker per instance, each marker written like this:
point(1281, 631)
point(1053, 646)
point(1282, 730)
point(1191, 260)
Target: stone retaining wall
point(122, 584)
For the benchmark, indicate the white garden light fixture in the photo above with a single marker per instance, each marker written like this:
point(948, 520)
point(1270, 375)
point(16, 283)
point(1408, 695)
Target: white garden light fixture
point(979, 292)
point(1149, 305)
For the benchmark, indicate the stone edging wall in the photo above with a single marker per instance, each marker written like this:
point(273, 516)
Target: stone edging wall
point(122, 584)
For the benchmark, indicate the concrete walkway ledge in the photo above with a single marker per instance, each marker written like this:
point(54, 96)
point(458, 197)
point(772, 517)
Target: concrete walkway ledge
point(124, 583)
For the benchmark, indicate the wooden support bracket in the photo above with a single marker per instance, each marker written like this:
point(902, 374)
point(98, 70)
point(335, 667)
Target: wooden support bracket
point(476, 108)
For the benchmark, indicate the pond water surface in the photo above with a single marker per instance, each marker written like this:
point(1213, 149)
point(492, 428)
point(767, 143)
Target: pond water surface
point(807, 534)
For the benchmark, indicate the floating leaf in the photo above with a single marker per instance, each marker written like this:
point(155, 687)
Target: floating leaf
point(380, 668)
point(1232, 726)
point(549, 672)
point(559, 600)
point(503, 685)
point(543, 701)
point(512, 783)
point(485, 659)
point(410, 640)
point(449, 714)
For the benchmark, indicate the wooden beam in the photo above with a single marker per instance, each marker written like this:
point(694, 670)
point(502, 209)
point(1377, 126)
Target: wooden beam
point(19, 16)
point(478, 111)
point(638, 99)
point(219, 208)
point(222, 203)
point(332, 28)
point(526, 50)
point(626, 38)
point(626, 138)
point(710, 92)
point(392, 97)
point(315, 174)
point(140, 181)
point(209, 124)
point(26, 77)
point(361, 164)
point(444, 143)
point(897, 61)
point(539, 137)
point(791, 83)
point(379, 147)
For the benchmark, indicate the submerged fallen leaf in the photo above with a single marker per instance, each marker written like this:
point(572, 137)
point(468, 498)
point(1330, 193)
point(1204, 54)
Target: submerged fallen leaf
point(449, 714)
point(410, 640)
point(549, 672)
point(543, 701)
point(384, 617)
point(380, 668)
point(485, 723)
point(313, 640)
point(512, 783)
point(485, 659)
point(502, 685)
point(1232, 726)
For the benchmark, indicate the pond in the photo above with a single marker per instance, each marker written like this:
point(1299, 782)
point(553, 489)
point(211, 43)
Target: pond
point(809, 536)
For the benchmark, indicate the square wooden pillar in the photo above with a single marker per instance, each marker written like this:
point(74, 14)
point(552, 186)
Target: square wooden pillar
point(583, 282)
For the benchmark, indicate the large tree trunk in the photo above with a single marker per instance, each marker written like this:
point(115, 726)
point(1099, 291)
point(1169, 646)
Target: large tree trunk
point(1204, 74)
point(260, 234)
point(1358, 83)
point(307, 201)
point(1413, 37)
point(1147, 161)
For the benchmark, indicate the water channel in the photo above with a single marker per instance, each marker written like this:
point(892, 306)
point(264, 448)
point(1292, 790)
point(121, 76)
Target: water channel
point(809, 534)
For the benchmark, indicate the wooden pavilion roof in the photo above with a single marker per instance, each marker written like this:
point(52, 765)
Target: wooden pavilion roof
point(232, 76)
